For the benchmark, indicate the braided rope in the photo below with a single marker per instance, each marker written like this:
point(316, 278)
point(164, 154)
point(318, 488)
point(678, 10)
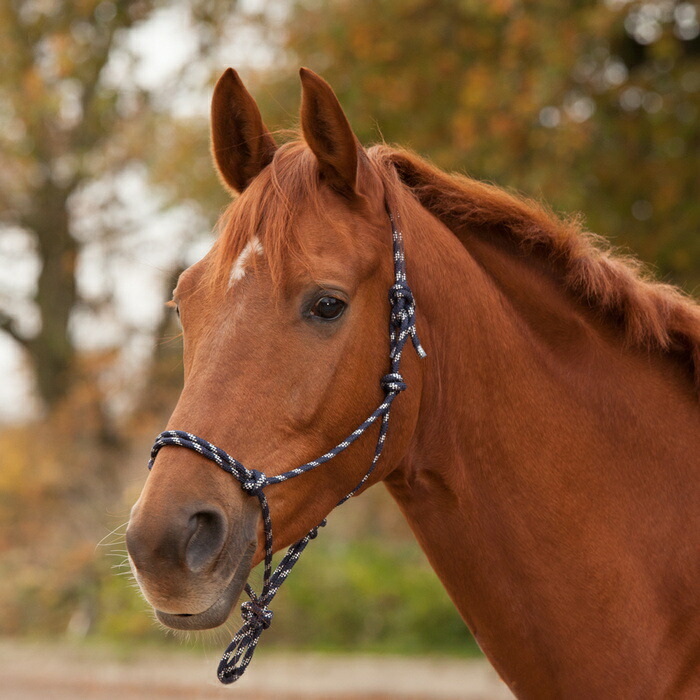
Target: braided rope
point(255, 613)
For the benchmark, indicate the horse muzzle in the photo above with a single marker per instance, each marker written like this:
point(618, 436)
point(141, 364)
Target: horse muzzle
point(217, 613)
point(188, 560)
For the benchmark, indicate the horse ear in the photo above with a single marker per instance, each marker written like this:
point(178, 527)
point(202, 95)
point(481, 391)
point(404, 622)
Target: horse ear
point(241, 144)
point(328, 133)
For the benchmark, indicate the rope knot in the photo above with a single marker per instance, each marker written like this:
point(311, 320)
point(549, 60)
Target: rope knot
point(254, 482)
point(402, 303)
point(393, 383)
point(257, 616)
point(313, 533)
point(403, 318)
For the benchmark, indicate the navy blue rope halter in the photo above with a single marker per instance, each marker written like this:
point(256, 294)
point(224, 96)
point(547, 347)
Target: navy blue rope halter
point(255, 613)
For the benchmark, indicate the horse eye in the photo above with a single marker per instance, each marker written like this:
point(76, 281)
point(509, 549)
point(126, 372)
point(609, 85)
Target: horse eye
point(328, 308)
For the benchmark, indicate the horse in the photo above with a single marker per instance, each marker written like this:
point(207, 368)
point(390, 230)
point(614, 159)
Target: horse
point(544, 453)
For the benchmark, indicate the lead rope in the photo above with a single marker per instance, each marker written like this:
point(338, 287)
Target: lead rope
point(256, 614)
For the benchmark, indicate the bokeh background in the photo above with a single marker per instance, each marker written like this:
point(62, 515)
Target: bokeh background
point(107, 192)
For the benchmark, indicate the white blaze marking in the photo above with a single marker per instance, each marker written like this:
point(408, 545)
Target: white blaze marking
point(238, 270)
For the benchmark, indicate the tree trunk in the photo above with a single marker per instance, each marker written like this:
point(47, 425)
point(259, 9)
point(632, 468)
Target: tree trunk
point(51, 351)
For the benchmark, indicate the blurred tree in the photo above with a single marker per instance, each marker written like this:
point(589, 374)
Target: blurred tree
point(72, 115)
point(590, 105)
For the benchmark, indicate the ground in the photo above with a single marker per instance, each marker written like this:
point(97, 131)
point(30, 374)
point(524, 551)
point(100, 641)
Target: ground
point(60, 671)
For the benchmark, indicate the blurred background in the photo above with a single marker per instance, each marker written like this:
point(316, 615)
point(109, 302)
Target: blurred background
point(107, 192)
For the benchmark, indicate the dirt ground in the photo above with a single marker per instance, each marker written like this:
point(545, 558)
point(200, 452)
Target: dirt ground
point(64, 672)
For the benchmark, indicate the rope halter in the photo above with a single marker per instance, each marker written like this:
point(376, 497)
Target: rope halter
point(256, 614)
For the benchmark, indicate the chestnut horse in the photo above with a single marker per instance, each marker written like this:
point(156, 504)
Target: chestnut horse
point(545, 453)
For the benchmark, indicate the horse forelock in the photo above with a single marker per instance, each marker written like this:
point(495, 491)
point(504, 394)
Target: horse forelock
point(266, 216)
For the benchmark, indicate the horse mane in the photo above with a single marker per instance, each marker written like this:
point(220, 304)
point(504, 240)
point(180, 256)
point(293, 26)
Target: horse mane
point(619, 289)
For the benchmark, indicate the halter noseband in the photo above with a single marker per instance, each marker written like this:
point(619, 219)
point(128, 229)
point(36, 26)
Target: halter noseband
point(255, 613)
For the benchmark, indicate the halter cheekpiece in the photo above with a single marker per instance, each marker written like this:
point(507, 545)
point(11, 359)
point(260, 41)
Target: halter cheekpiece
point(256, 614)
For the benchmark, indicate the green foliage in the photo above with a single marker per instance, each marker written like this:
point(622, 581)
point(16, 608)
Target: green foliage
point(368, 595)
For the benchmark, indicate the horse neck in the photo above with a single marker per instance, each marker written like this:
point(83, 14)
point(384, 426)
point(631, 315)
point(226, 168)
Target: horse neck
point(549, 479)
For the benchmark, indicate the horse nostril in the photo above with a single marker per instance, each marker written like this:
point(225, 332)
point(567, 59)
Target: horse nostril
point(206, 535)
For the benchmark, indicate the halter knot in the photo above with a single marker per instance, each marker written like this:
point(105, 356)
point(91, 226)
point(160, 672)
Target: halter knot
point(257, 616)
point(393, 383)
point(254, 482)
point(402, 302)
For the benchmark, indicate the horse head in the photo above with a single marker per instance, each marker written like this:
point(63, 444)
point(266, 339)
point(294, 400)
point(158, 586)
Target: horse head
point(285, 338)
